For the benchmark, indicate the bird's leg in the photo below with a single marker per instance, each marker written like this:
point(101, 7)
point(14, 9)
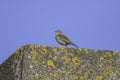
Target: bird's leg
point(65, 45)
point(62, 45)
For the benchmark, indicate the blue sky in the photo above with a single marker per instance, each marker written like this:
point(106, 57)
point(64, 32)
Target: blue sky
point(93, 24)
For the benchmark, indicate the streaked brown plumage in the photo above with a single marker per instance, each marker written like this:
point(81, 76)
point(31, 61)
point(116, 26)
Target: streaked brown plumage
point(63, 40)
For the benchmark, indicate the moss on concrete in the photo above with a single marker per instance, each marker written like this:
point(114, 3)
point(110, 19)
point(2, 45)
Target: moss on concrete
point(40, 62)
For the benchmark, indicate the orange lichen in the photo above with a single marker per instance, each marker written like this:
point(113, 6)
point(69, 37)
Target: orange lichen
point(75, 77)
point(53, 74)
point(99, 77)
point(44, 49)
point(96, 51)
point(50, 63)
point(85, 75)
point(114, 53)
point(109, 70)
point(80, 49)
point(66, 59)
point(62, 48)
point(17, 53)
point(76, 61)
point(34, 55)
point(86, 51)
point(108, 54)
point(81, 78)
point(54, 57)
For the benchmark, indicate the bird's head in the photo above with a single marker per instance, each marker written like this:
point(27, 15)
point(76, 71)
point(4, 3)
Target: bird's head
point(58, 31)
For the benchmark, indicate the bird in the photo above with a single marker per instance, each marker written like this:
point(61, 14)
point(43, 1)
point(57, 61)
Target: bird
point(63, 39)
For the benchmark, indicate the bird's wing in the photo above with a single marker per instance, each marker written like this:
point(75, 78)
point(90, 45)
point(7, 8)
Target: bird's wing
point(65, 38)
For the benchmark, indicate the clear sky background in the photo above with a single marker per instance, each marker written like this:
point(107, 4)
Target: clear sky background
point(93, 24)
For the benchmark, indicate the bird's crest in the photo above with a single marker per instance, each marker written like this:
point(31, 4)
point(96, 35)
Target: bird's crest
point(58, 31)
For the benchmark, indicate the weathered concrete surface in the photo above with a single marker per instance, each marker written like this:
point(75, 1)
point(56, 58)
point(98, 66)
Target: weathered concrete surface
point(35, 62)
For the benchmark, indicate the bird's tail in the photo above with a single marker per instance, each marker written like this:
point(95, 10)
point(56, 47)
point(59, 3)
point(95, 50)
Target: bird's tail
point(75, 45)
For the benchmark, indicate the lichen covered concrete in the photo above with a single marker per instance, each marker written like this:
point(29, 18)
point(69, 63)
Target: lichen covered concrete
point(41, 62)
